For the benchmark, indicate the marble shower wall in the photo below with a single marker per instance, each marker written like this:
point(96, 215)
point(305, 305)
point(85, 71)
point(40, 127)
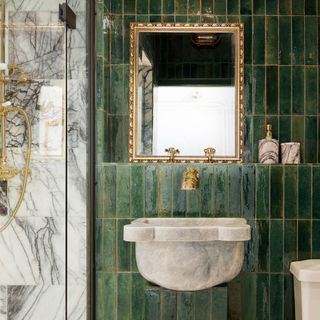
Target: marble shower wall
point(50, 230)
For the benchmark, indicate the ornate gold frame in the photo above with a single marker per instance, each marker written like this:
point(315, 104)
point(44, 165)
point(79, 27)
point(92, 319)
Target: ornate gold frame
point(237, 29)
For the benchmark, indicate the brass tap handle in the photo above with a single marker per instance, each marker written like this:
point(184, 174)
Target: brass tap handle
point(209, 152)
point(172, 152)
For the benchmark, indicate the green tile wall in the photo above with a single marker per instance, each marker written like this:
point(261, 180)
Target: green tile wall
point(281, 203)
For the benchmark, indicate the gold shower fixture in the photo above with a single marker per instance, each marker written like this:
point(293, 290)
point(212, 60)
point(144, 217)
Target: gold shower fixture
point(190, 180)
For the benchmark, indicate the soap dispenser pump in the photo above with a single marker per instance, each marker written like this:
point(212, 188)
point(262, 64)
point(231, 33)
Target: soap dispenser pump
point(268, 147)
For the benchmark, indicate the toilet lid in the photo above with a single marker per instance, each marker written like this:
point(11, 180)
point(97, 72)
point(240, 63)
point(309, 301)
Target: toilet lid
point(306, 270)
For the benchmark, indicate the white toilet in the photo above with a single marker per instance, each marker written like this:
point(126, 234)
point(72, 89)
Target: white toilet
point(306, 289)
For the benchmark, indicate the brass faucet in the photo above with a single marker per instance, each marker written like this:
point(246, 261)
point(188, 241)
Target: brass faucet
point(190, 180)
point(209, 152)
point(172, 152)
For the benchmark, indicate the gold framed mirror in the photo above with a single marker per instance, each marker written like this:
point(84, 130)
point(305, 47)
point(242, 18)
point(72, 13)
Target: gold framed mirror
point(186, 95)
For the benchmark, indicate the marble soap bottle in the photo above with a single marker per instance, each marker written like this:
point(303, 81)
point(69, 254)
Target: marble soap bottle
point(268, 147)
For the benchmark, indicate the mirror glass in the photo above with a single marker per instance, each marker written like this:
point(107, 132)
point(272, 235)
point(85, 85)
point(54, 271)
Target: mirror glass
point(185, 85)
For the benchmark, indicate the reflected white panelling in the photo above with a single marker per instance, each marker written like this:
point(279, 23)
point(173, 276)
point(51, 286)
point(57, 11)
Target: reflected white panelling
point(77, 300)
point(3, 303)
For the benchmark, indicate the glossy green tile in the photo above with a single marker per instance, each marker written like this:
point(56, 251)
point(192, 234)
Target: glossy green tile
point(117, 96)
point(181, 18)
point(246, 7)
point(234, 185)
point(290, 192)
point(263, 249)
point(194, 7)
point(179, 196)
point(193, 199)
point(98, 244)
point(315, 239)
point(304, 192)
point(181, 6)
point(259, 6)
point(167, 18)
point(194, 18)
point(311, 90)
point(297, 40)
point(263, 294)
point(310, 7)
point(297, 7)
point(272, 7)
point(285, 52)
point(248, 139)
point(298, 90)
point(288, 303)
point(258, 40)
point(311, 141)
point(289, 243)
point(311, 41)
point(151, 196)
point(220, 191)
point(137, 200)
point(284, 130)
point(165, 191)
point(276, 192)
point(232, 7)
point(285, 7)
point(258, 133)
point(123, 191)
point(316, 192)
point(276, 245)
point(247, 20)
point(220, 303)
point(108, 185)
point(100, 94)
point(298, 133)
point(206, 7)
point(168, 304)
point(143, 18)
point(116, 6)
point(272, 90)
point(123, 248)
point(259, 90)
point(106, 87)
point(206, 190)
point(251, 249)
point(155, 18)
point(108, 245)
point(276, 296)
point(248, 79)
point(100, 194)
point(152, 304)
point(116, 47)
point(285, 90)
point(262, 191)
point(304, 239)
point(202, 305)
point(167, 6)
point(248, 205)
point(126, 45)
point(185, 305)
point(248, 293)
point(137, 298)
point(124, 293)
point(220, 7)
point(272, 40)
point(129, 6)
point(155, 7)
point(142, 6)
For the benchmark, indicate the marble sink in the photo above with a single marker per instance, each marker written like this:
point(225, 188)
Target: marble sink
point(188, 254)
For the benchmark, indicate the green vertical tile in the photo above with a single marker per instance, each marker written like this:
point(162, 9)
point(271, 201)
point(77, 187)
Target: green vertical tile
point(297, 7)
point(315, 239)
point(123, 247)
point(284, 40)
point(248, 293)
point(108, 244)
point(181, 18)
point(285, 90)
point(248, 205)
point(168, 6)
point(151, 195)
point(124, 296)
point(310, 140)
point(233, 7)
point(311, 40)
point(106, 87)
point(247, 20)
point(272, 7)
point(142, 6)
point(168, 304)
point(137, 191)
point(272, 90)
point(304, 239)
point(259, 6)
point(263, 294)
point(291, 192)
point(185, 306)
point(316, 192)
point(263, 245)
point(167, 18)
point(165, 191)
point(181, 6)
point(219, 303)
point(284, 130)
point(276, 245)
point(117, 40)
point(109, 189)
point(126, 43)
point(129, 6)
point(246, 7)
point(194, 7)
point(298, 133)
point(220, 7)
point(100, 94)
point(289, 244)
point(310, 7)
point(298, 90)
point(234, 185)
point(285, 7)
point(155, 18)
point(276, 296)
point(297, 40)
point(206, 6)
point(258, 133)
point(248, 89)
point(123, 191)
point(272, 40)
point(311, 90)
point(248, 139)
point(206, 190)
point(276, 192)
point(100, 193)
point(138, 301)
point(251, 249)
point(258, 40)
point(116, 6)
point(98, 244)
point(262, 191)
point(232, 19)
point(304, 192)
point(220, 190)
point(258, 90)
point(142, 18)
point(155, 7)
point(202, 304)
point(179, 196)
point(152, 304)
point(117, 96)
point(289, 303)
point(100, 138)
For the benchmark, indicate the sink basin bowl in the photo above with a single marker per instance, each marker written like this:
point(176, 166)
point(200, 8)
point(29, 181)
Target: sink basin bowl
point(188, 254)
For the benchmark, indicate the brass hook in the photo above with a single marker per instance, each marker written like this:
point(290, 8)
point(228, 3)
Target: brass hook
point(172, 153)
point(209, 152)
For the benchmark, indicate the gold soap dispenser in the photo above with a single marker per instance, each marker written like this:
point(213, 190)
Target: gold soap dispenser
point(268, 147)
